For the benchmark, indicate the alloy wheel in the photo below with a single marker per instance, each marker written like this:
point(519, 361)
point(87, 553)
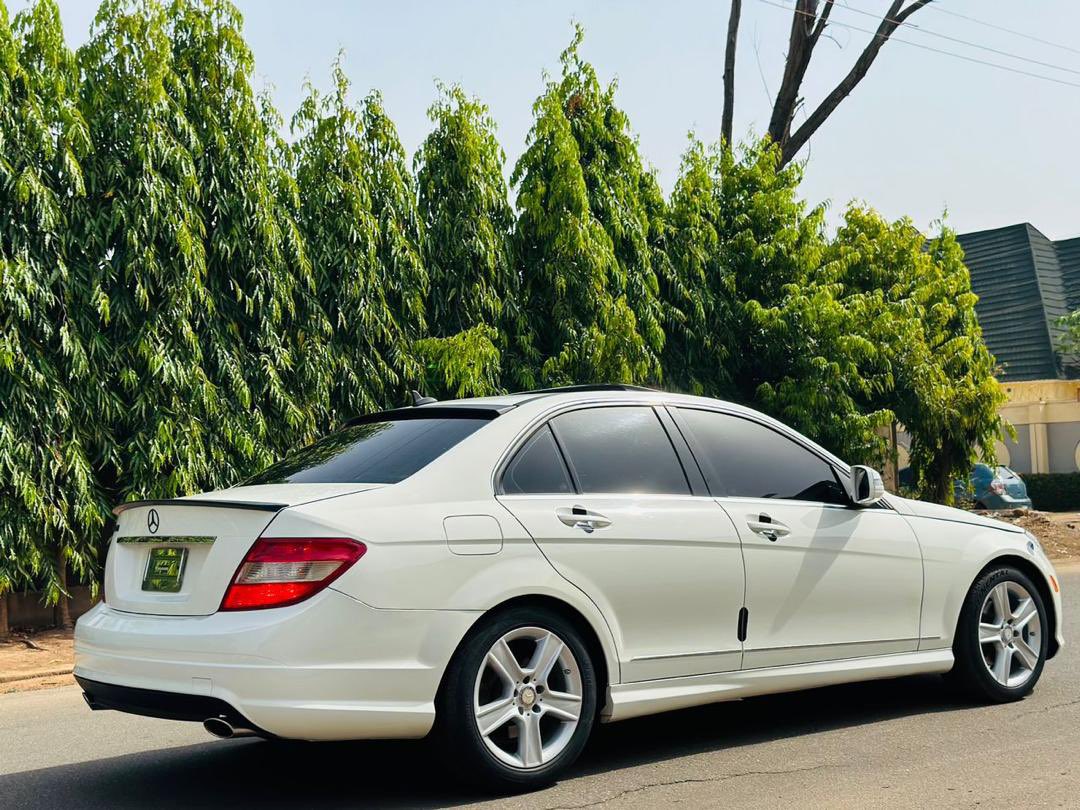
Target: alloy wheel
point(527, 698)
point(1010, 634)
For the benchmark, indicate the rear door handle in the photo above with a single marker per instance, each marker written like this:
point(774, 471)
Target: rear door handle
point(578, 517)
point(768, 528)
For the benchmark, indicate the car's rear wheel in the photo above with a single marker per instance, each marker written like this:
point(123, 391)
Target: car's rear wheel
point(519, 700)
point(1001, 639)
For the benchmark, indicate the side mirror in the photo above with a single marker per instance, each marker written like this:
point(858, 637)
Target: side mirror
point(866, 486)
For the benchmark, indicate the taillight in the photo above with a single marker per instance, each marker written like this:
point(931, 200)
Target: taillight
point(997, 486)
point(279, 571)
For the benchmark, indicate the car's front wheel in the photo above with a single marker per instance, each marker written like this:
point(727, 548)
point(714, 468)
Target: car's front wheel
point(1001, 639)
point(519, 700)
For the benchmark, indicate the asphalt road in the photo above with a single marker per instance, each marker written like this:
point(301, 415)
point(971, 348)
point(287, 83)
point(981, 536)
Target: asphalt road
point(898, 743)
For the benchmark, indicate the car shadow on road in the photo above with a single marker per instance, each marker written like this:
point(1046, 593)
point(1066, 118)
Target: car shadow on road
point(408, 774)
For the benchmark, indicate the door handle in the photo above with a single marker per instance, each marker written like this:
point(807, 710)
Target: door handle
point(578, 517)
point(768, 528)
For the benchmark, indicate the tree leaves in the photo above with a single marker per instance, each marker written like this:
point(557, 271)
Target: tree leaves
point(185, 294)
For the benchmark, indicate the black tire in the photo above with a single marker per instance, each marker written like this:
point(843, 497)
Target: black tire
point(456, 729)
point(971, 675)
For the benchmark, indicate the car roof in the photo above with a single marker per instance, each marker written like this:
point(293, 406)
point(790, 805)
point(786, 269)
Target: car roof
point(584, 393)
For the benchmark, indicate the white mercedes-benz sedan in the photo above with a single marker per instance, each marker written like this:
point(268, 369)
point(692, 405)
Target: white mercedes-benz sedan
point(508, 571)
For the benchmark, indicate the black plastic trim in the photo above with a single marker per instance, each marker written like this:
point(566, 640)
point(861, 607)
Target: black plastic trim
point(255, 506)
point(165, 705)
point(431, 412)
point(744, 619)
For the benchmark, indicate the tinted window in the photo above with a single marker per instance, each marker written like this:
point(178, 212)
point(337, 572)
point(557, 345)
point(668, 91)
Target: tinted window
point(537, 468)
point(623, 449)
point(742, 458)
point(371, 452)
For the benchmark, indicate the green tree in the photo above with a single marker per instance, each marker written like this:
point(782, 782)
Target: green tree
point(49, 502)
point(912, 299)
point(1068, 346)
point(261, 346)
point(392, 189)
point(347, 238)
point(792, 349)
point(466, 216)
point(466, 223)
point(588, 229)
point(140, 294)
point(697, 288)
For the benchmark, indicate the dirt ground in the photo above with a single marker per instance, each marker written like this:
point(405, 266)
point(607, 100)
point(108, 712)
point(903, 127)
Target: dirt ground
point(1058, 532)
point(36, 660)
point(44, 659)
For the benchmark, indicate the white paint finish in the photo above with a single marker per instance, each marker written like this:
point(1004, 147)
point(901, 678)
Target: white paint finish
point(209, 566)
point(328, 668)
point(473, 534)
point(843, 582)
point(667, 573)
point(660, 588)
point(634, 700)
point(953, 561)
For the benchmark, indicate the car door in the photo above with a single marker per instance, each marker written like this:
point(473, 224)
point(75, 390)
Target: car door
point(824, 580)
point(604, 493)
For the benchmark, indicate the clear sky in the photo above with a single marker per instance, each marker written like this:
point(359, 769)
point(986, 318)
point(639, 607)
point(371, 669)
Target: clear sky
point(922, 133)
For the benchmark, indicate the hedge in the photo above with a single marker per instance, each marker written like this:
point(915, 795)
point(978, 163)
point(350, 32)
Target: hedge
point(1054, 492)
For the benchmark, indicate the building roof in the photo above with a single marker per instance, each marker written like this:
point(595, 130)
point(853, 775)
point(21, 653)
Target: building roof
point(1025, 283)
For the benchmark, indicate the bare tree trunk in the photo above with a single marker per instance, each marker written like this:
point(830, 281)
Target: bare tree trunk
point(793, 142)
point(5, 630)
point(64, 605)
point(729, 72)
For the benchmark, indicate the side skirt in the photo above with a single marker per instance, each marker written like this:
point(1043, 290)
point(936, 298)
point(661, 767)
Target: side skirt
point(629, 700)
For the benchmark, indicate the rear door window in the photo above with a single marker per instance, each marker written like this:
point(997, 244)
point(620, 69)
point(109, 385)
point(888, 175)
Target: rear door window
point(746, 459)
point(622, 449)
point(377, 452)
point(538, 468)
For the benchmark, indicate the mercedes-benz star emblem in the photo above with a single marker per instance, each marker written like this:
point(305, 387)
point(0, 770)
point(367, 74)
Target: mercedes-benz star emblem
point(153, 521)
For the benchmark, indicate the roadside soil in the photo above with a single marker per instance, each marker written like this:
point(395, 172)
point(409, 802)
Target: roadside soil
point(36, 660)
point(1059, 532)
point(43, 659)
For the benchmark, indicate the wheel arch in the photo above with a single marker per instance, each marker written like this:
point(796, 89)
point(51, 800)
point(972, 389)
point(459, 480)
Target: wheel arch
point(602, 659)
point(1036, 575)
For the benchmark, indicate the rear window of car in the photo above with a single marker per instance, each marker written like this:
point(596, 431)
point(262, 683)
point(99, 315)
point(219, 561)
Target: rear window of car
point(376, 452)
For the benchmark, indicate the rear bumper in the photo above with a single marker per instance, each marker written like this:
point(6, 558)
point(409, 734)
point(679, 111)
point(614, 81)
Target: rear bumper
point(165, 705)
point(330, 668)
point(1001, 502)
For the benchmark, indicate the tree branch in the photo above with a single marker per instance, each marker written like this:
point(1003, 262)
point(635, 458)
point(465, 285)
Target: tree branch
point(729, 72)
point(893, 19)
point(821, 23)
point(800, 48)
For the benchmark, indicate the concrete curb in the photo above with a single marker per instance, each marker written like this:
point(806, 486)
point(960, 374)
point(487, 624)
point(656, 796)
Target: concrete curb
point(29, 676)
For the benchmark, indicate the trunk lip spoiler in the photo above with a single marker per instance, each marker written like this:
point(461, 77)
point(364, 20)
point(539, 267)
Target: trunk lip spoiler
point(257, 506)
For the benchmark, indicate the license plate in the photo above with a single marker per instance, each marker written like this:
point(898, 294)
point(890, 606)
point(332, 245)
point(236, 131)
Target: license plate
point(165, 569)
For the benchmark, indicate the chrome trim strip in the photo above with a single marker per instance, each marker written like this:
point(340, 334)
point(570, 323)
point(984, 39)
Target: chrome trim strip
point(166, 539)
point(685, 655)
point(834, 644)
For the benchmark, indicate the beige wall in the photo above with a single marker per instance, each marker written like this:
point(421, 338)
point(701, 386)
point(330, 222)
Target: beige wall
point(1048, 412)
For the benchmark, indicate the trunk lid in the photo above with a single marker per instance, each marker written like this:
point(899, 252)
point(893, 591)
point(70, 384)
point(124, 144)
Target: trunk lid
point(177, 557)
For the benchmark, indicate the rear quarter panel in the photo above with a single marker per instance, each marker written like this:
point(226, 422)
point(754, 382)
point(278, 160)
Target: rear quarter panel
point(410, 565)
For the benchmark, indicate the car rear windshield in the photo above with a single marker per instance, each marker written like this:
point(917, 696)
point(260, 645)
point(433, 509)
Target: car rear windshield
point(376, 452)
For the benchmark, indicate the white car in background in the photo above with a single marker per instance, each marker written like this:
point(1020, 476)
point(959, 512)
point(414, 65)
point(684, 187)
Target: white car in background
point(508, 571)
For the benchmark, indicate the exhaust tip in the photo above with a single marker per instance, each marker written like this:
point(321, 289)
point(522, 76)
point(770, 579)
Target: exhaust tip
point(218, 727)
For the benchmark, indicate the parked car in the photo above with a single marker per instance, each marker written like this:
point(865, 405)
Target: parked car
point(991, 488)
point(994, 488)
point(505, 572)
